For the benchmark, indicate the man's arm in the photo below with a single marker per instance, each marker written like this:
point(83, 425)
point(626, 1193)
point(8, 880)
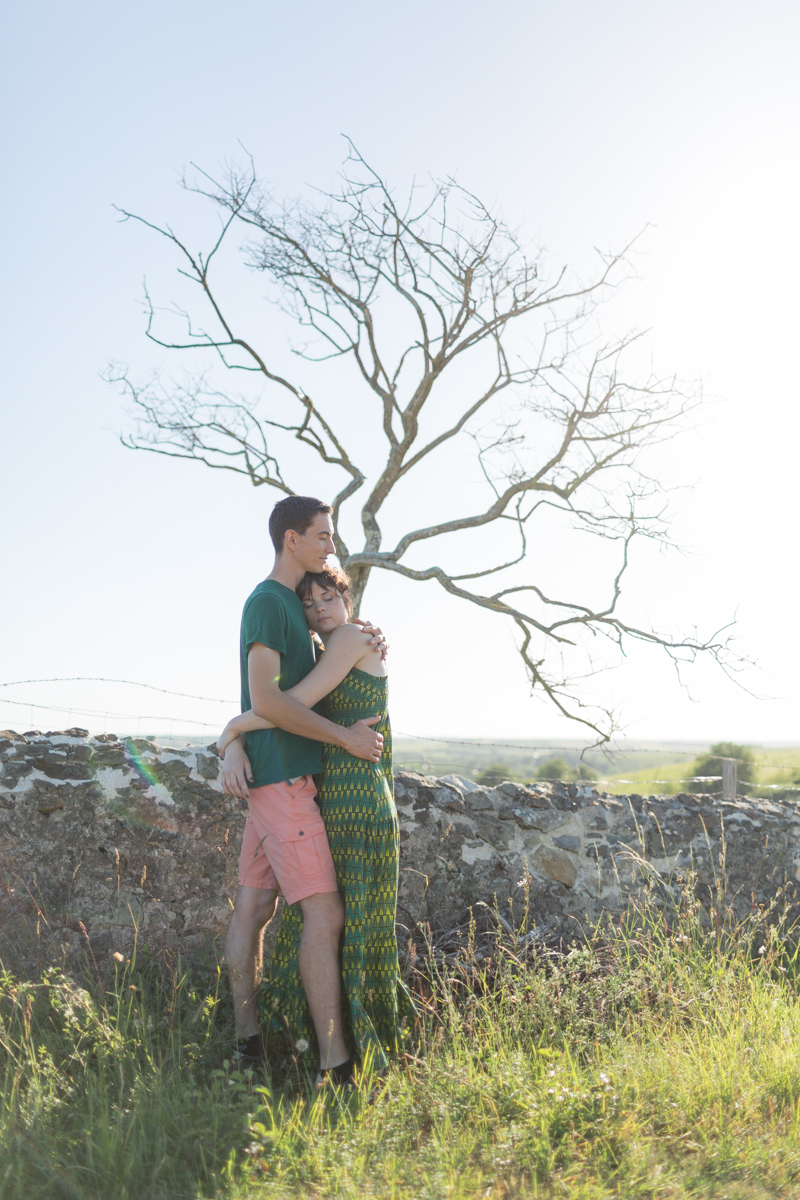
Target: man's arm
point(347, 647)
point(269, 702)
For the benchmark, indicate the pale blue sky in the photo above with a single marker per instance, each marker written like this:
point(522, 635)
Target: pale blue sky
point(583, 122)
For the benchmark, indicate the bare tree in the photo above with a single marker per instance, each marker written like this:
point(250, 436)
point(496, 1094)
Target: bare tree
point(411, 294)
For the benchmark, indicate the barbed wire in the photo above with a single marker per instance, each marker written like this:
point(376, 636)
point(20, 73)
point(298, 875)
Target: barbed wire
point(420, 737)
point(415, 736)
point(85, 712)
point(398, 733)
point(787, 787)
point(206, 725)
point(575, 749)
point(102, 679)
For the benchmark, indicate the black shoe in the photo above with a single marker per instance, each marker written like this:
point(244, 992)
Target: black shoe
point(249, 1054)
point(341, 1077)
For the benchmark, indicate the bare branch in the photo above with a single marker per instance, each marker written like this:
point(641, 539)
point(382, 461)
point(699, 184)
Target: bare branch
point(442, 330)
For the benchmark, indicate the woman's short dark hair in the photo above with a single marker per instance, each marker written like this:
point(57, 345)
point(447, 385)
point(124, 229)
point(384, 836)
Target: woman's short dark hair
point(295, 512)
point(333, 578)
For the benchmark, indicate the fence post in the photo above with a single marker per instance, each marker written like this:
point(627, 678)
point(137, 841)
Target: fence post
point(729, 781)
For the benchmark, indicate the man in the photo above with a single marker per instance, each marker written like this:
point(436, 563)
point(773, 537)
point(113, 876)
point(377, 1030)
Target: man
point(285, 846)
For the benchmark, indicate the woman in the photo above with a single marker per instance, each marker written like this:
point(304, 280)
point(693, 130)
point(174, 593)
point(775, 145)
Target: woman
point(357, 805)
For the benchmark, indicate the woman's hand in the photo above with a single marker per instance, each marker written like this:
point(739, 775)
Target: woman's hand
point(236, 771)
point(377, 641)
point(224, 740)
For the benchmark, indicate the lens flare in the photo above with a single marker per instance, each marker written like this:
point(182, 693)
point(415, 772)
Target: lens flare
point(144, 771)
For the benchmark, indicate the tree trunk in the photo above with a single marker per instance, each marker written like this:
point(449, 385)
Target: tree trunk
point(359, 577)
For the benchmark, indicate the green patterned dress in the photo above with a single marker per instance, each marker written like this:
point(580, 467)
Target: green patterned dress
point(357, 804)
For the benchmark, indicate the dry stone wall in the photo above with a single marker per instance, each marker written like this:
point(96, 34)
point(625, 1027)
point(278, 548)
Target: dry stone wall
point(105, 838)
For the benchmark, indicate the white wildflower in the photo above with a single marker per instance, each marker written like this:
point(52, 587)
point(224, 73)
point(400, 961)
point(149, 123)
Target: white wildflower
point(301, 1046)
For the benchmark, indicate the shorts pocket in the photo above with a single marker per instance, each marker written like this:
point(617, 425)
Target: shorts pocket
point(304, 847)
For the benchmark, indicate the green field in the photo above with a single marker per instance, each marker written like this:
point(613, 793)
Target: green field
point(659, 768)
point(662, 1063)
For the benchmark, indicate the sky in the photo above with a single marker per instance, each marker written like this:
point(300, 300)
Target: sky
point(583, 124)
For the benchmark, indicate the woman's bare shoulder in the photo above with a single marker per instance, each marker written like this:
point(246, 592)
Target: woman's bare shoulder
point(348, 634)
point(352, 643)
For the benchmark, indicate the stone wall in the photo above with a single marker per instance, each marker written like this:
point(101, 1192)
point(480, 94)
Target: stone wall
point(102, 836)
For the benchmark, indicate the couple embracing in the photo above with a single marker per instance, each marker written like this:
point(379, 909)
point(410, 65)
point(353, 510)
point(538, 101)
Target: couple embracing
point(311, 754)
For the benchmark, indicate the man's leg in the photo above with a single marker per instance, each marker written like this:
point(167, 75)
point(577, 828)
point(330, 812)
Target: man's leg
point(323, 922)
point(285, 844)
point(244, 947)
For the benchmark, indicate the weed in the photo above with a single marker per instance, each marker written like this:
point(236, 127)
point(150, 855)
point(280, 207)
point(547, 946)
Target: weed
point(659, 1060)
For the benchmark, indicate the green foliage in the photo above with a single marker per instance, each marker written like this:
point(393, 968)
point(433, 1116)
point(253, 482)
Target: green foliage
point(662, 1060)
point(555, 768)
point(496, 773)
point(711, 765)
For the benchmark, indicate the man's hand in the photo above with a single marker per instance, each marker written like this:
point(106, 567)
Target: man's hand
point(236, 771)
point(377, 640)
point(363, 742)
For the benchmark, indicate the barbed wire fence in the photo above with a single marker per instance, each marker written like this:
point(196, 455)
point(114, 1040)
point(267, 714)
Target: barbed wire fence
point(729, 777)
point(105, 714)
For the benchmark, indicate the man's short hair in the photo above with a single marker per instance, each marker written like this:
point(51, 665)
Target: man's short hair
point(295, 512)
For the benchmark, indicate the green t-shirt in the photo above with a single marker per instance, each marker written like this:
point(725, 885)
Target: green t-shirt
point(274, 616)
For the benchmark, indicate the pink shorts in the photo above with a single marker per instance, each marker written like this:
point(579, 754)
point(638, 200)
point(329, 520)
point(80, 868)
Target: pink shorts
point(285, 845)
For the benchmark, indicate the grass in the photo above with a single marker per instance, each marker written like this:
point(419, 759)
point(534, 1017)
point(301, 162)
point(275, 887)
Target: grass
point(662, 1061)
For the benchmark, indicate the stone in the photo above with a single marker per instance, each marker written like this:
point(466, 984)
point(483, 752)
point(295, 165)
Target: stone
point(37, 750)
point(13, 771)
point(506, 791)
point(598, 850)
point(169, 854)
point(51, 804)
point(172, 769)
point(555, 865)
point(581, 791)
point(208, 765)
point(67, 770)
point(109, 756)
point(495, 832)
point(479, 801)
point(542, 819)
point(461, 782)
point(537, 799)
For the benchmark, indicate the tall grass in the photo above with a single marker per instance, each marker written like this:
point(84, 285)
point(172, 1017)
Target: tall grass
point(660, 1061)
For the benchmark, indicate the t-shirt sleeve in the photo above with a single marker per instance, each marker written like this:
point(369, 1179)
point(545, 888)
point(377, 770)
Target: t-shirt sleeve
point(264, 620)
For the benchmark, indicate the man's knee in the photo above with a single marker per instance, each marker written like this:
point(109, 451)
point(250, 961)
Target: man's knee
point(255, 907)
point(324, 911)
